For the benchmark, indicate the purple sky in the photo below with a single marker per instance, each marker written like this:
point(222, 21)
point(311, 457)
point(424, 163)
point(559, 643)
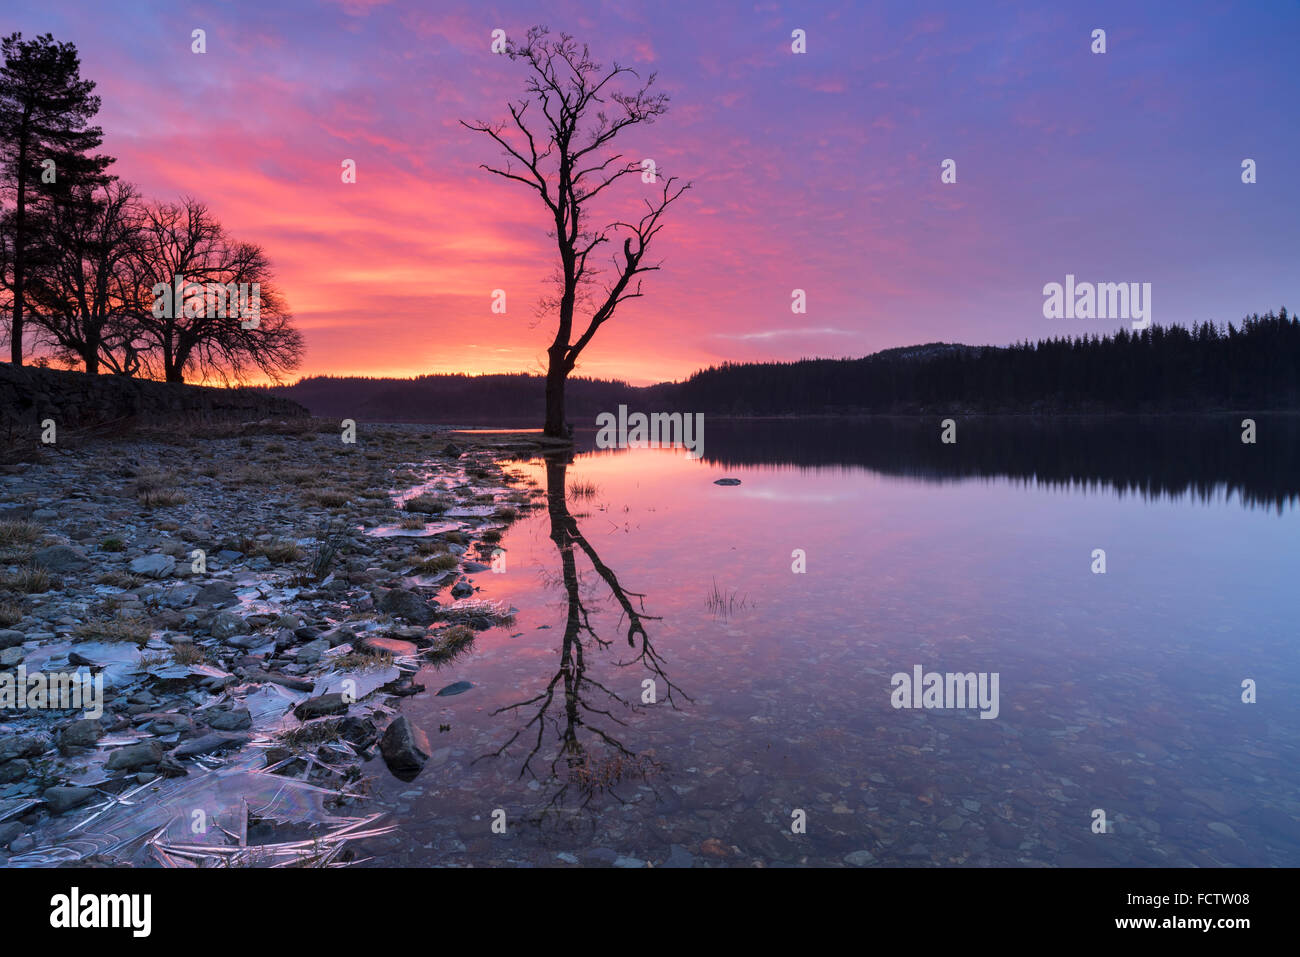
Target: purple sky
point(818, 171)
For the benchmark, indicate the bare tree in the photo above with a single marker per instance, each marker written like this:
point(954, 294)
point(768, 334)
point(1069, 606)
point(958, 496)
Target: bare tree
point(187, 274)
point(566, 157)
point(78, 299)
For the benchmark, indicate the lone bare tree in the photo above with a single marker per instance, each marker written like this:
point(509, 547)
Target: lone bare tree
point(566, 156)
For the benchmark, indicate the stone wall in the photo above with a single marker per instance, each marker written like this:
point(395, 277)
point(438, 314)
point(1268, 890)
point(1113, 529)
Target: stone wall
point(75, 400)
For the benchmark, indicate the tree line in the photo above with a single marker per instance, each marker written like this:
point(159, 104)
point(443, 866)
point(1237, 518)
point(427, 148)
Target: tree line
point(93, 274)
point(1254, 366)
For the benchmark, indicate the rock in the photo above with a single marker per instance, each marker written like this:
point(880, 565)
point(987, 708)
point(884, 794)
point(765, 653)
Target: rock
point(10, 638)
point(44, 514)
point(213, 743)
point(859, 858)
point(311, 652)
point(405, 748)
point(407, 604)
point(226, 624)
point(459, 687)
point(24, 745)
point(286, 681)
point(679, 856)
point(375, 645)
point(714, 848)
point(62, 799)
point(727, 481)
point(1003, 834)
point(12, 657)
point(82, 733)
point(237, 720)
point(462, 589)
point(322, 705)
point(216, 594)
point(628, 862)
point(132, 757)
point(61, 558)
point(153, 566)
point(181, 596)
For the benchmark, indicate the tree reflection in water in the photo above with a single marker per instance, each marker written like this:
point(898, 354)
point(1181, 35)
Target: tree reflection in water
point(590, 759)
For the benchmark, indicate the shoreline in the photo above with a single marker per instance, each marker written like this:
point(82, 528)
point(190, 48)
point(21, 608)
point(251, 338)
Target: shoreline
point(257, 605)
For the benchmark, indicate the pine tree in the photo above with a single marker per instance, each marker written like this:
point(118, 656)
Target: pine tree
point(46, 146)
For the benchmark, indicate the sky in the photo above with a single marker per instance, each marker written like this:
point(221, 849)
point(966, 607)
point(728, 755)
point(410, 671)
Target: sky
point(818, 171)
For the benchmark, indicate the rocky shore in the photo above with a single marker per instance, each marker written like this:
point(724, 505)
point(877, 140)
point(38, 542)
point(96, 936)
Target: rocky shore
point(255, 605)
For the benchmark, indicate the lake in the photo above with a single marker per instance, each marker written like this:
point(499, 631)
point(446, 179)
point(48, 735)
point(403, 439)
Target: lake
point(768, 619)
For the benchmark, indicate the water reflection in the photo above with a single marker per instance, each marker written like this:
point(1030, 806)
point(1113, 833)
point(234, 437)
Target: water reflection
point(1152, 456)
point(590, 757)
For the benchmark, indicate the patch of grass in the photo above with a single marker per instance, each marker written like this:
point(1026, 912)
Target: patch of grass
point(161, 497)
point(119, 580)
point(188, 653)
point(361, 661)
point(429, 504)
point(506, 513)
point(438, 562)
point(330, 497)
point(14, 532)
point(328, 544)
point(582, 489)
point(280, 553)
point(492, 536)
point(10, 614)
point(28, 580)
point(411, 522)
point(312, 734)
point(115, 629)
point(112, 544)
point(724, 604)
point(456, 538)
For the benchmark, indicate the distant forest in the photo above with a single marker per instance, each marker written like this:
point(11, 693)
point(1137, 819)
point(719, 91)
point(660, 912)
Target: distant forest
point(1254, 366)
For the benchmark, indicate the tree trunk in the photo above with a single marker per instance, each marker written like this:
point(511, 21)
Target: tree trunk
point(555, 427)
point(20, 240)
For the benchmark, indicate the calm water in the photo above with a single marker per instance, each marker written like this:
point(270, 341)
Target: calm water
point(1119, 691)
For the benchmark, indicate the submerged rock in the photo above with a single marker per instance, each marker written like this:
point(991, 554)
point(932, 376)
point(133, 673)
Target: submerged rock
point(459, 687)
point(405, 748)
point(727, 481)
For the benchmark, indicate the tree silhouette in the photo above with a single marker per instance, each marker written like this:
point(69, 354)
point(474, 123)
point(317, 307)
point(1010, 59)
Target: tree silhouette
point(577, 770)
point(566, 158)
point(45, 109)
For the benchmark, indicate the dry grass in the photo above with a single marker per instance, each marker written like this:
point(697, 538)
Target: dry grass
point(330, 497)
point(10, 614)
point(280, 553)
point(161, 498)
point(430, 504)
point(28, 580)
point(438, 562)
point(119, 580)
point(362, 660)
point(16, 532)
point(188, 653)
point(411, 522)
point(115, 629)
